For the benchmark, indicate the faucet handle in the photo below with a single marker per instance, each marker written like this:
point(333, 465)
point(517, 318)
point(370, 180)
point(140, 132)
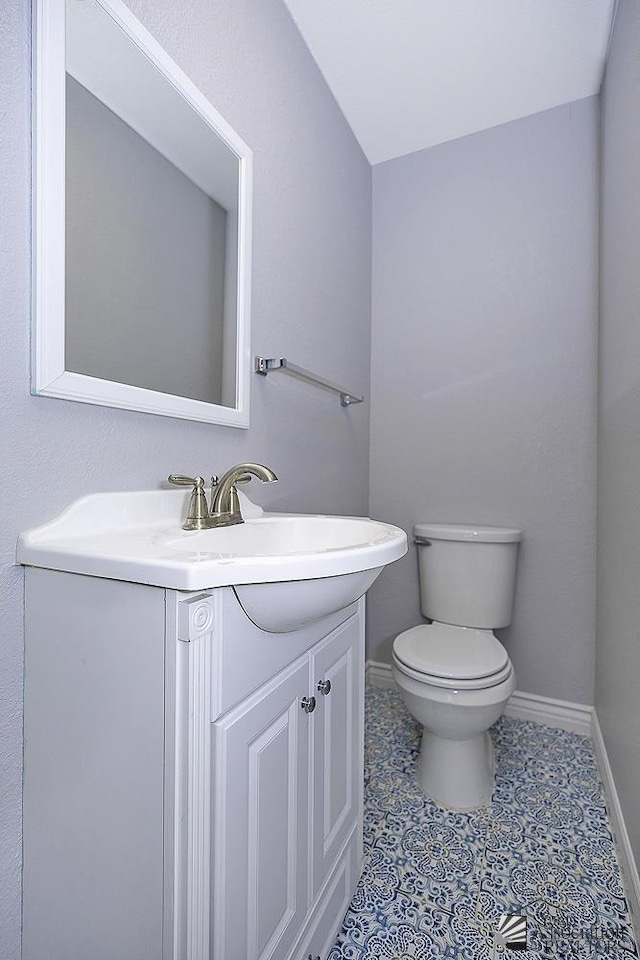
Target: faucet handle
point(198, 512)
point(180, 480)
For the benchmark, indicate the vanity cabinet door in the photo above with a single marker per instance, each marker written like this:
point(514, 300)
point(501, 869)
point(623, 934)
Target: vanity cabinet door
point(336, 776)
point(260, 833)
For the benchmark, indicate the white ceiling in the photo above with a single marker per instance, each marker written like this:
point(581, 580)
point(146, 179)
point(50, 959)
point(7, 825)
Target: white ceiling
point(409, 74)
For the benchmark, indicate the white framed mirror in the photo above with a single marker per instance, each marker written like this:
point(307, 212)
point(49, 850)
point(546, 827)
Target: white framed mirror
point(142, 225)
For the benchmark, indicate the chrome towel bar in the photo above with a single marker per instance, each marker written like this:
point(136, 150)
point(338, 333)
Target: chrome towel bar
point(264, 366)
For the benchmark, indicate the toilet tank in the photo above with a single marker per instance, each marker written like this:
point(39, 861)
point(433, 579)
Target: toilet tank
point(467, 573)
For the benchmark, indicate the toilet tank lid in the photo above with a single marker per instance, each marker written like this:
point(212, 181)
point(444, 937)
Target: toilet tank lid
point(467, 532)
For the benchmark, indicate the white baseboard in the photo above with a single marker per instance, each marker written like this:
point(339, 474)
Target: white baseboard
point(575, 717)
point(378, 675)
point(578, 718)
point(626, 858)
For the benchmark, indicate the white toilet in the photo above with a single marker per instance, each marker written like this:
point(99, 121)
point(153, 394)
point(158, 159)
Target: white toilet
point(454, 675)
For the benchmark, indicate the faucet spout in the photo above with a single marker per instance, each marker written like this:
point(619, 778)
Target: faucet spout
point(225, 505)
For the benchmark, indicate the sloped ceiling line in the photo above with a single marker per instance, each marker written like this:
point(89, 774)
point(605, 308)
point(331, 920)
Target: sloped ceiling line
point(409, 74)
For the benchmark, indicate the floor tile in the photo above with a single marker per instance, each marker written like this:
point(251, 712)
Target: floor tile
point(443, 883)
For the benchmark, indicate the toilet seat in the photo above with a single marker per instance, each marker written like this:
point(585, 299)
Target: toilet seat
point(453, 657)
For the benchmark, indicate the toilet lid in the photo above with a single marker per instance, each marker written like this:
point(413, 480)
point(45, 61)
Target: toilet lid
point(452, 653)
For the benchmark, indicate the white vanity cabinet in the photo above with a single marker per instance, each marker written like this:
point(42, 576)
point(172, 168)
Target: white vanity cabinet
point(180, 803)
point(288, 793)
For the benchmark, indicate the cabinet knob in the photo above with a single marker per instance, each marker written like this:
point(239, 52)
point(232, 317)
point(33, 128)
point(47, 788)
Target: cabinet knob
point(308, 704)
point(324, 687)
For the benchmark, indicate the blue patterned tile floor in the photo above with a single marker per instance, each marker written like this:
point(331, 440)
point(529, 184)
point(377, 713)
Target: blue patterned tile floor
point(438, 883)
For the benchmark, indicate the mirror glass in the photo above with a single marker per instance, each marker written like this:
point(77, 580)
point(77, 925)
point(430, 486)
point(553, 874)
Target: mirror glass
point(151, 309)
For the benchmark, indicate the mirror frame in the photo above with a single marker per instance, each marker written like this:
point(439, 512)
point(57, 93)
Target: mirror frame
point(48, 375)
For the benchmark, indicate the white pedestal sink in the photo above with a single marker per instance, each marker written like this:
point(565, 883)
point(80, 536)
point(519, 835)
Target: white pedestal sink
point(286, 569)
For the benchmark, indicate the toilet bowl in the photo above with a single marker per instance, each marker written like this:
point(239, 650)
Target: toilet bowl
point(456, 677)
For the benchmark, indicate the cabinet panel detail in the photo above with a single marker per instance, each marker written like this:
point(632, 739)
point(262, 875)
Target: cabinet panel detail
point(339, 748)
point(260, 829)
point(192, 810)
point(325, 919)
point(196, 616)
point(336, 749)
point(199, 799)
point(272, 876)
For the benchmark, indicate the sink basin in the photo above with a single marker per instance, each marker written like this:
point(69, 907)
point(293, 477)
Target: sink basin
point(278, 536)
point(286, 569)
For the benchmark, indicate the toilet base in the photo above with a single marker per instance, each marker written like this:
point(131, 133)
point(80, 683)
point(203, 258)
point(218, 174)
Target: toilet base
point(458, 774)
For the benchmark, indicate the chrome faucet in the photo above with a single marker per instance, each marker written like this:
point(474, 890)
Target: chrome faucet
point(225, 505)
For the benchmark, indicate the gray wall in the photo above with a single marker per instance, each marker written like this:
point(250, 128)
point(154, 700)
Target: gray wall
point(618, 647)
point(483, 373)
point(145, 260)
point(311, 297)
